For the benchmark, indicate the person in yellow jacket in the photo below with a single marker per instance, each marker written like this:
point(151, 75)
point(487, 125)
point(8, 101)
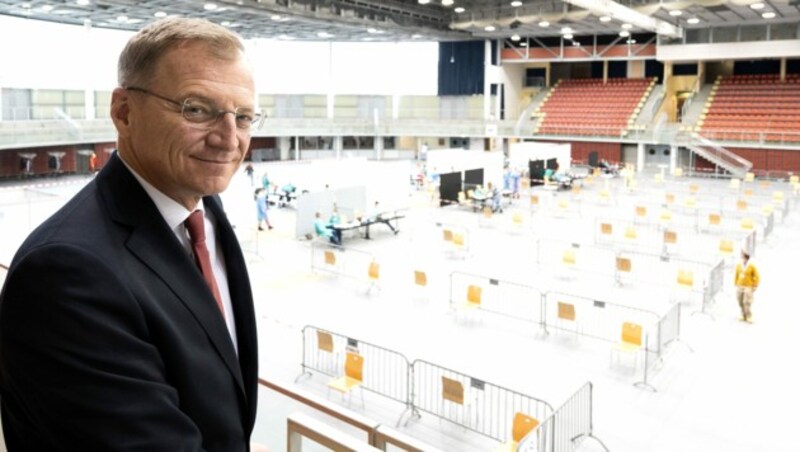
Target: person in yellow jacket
point(746, 281)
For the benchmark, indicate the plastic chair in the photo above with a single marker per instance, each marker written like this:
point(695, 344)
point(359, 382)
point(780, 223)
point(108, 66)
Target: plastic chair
point(325, 347)
point(566, 312)
point(454, 395)
point(374, 275)
point(714, 219)
point(520, 428)
point(747, 223)
point(741, 205)
point(420, 278)
point(630, 342)
point(606, 229)
point(447, 235)
point(641, 211)
point(353, 377)
point(330, 257)
point(630, 233)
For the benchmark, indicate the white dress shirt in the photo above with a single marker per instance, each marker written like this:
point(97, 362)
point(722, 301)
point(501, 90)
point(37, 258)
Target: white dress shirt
point(175, 215)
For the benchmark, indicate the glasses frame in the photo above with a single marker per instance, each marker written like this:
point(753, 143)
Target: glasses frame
point(258, 115)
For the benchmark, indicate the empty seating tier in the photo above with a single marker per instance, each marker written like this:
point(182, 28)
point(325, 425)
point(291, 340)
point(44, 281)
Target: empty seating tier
point(753, 108)
point(591, 107)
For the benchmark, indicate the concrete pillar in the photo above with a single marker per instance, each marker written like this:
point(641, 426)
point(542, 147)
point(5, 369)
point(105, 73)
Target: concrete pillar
point(88, 104)
point(640, 157)
point(673, 158)
point(378, 147)
point(338, 143)
point(487, 79)
point(605, 71)
point(297, 148)
point(783, 69)
point(283, 145)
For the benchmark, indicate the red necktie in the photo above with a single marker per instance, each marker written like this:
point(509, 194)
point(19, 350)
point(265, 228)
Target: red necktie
point(195, 224)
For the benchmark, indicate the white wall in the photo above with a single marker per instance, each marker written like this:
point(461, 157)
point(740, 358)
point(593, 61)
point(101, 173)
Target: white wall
point(726, 51)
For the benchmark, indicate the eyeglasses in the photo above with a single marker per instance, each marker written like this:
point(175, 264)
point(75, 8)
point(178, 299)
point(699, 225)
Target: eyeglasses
point(205, 113)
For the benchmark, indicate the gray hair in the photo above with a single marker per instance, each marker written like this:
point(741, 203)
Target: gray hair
point(141, 54)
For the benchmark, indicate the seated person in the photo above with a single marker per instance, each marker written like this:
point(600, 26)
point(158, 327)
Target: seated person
point(327, 230)
point(495, 198)
point(335, 218)
point(286, 193)
point(375, 216)
point(608, 168)
point(548, 175)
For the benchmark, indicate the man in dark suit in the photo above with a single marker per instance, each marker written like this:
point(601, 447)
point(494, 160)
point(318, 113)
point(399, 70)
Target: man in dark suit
point(120, 329)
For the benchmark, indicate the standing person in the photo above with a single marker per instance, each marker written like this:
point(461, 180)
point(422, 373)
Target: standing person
point(144, 336)
point(265, 182)
point(261, 208)
point(249, 171)
point(746, 280)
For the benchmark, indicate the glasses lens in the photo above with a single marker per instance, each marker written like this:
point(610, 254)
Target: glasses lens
point(198, 111)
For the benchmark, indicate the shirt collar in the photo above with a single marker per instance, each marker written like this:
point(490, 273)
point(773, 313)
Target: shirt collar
point(173, 212)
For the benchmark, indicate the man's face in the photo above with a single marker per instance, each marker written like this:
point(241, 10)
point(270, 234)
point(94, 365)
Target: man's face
point(184, 160)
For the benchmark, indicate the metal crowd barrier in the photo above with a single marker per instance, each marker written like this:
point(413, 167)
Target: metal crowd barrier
point(474, 404)
point(341, 261)
point(625, 266)
point(567, 428)
point(672, 240)
point(603, 320)
point(477, 405)
point(385, 372)
point(498, 296)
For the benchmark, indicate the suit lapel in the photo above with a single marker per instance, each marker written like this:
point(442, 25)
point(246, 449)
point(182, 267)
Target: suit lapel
point(152, 242)
point(241, 300)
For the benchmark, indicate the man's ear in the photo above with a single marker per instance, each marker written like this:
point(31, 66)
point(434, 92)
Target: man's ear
point(120, 110)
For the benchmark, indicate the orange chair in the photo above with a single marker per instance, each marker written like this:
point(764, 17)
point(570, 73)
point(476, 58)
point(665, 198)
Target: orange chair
point(353, 377)
point(521, 427)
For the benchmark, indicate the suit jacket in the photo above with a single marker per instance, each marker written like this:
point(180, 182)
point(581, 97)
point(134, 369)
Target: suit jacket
point(111, 340)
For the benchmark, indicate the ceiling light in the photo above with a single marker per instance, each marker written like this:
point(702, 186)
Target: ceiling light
point(624, 33)
point(160, 14)
point(675, 13)
point(372, 30)
point(447, 2)
point(25, 5)
point(631, 41)
point(515, 37)
point(210, 6)
point(516, 3)
point(627, 26)
point(416, 36)
point(568, 36)
point(225, 23)
point(489, 28)
point(576, 44)
point(275, 17)
point(566, 30)
point(324, 34)
point(424, 2)
point(235, 25)
point(523, 44)
point(82, 2)
point(757, 5)
point(47, 8)
point(692, 20)
point(605, 18)
point(544, 24)
point(768, 15)
point(122, 18)
point(459, 9)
